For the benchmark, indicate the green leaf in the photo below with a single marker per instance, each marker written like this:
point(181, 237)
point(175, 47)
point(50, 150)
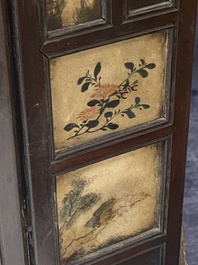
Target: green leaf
point(137, 100)
point(93, 103)
point(127, 83)
point(113, 103)
point(108, 114)
point(70, 126)
point(130, 113)
point(129, 65)
point(151, 66)
point(143, 73)
point(112, 126)
point(80, 80)
point(142, 61)
point(92, 123)
point(97, 69)
point(145, 106)
point(85, 86)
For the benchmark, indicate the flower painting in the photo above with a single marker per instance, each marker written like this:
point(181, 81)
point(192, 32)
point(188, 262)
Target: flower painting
point(106, 98)
point(113, 88)
point(108, 202)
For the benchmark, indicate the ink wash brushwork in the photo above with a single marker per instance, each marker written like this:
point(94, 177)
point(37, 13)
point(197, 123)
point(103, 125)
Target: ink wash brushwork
point(68, 13)
point(104, 105)
point(107, 203)
point(100, 92)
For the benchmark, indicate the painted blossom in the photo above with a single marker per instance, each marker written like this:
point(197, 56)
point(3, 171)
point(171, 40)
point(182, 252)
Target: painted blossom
point(104, 91)
point(89, 113)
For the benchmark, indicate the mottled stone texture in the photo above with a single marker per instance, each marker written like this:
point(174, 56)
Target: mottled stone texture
point(190, 218)
point(107, 202)
point(86, 87)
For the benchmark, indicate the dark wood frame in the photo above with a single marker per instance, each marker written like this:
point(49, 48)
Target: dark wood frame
point(136, 5)
point(30, 37)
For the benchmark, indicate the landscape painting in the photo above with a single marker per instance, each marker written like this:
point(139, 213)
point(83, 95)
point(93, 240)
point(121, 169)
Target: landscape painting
point(67, 13)
point(108, 89)
point(108, 202)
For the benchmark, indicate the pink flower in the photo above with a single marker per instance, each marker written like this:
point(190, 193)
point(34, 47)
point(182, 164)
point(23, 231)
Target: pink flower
point(124, 95)
point(89, 113)
point(104, 91)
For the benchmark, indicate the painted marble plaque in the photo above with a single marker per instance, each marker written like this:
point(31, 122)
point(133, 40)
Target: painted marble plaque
point(108, 89)
point(108, 202)
point(66, 13)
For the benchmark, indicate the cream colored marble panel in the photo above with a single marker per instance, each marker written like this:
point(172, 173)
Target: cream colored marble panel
point(108, 202)
point(108, 89)
point(78, 11)
point(66, 13)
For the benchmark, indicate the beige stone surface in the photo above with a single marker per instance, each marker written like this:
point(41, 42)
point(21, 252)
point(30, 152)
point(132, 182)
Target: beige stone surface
point(70, 11)
point(107, 202)
point(68, 102)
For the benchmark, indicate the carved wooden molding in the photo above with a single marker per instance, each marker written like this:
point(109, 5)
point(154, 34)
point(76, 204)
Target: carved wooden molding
point(113, 12)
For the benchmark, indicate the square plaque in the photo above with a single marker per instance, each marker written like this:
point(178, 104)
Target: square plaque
point(108, 202)
point(108, 89)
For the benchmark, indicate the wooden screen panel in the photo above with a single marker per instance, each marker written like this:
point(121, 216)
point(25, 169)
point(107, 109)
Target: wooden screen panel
point(110, 201)
point(37, 123)
point(108, 89)
point(61, 13)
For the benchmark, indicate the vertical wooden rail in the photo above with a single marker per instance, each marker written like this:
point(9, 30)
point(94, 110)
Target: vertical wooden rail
point(113, 11)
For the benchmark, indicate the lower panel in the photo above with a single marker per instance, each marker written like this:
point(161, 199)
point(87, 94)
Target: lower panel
point(103, 205)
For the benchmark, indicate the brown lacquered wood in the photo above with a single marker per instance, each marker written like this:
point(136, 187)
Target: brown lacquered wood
point(32, 84)
point(141, 3)
point(185, 44)
point(106, 34)
point(119, 257)
point(103, 151)
point(30, 65)
point(114, 12)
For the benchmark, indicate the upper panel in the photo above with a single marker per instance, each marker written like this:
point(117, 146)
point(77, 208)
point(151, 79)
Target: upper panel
point(68, 13)
point(108, 89)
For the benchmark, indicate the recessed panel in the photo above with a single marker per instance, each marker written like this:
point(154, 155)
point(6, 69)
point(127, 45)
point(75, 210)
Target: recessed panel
point(153, 257)
point(67, 13)
point(108, 202)
point(108, 89)
point(137, 4)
